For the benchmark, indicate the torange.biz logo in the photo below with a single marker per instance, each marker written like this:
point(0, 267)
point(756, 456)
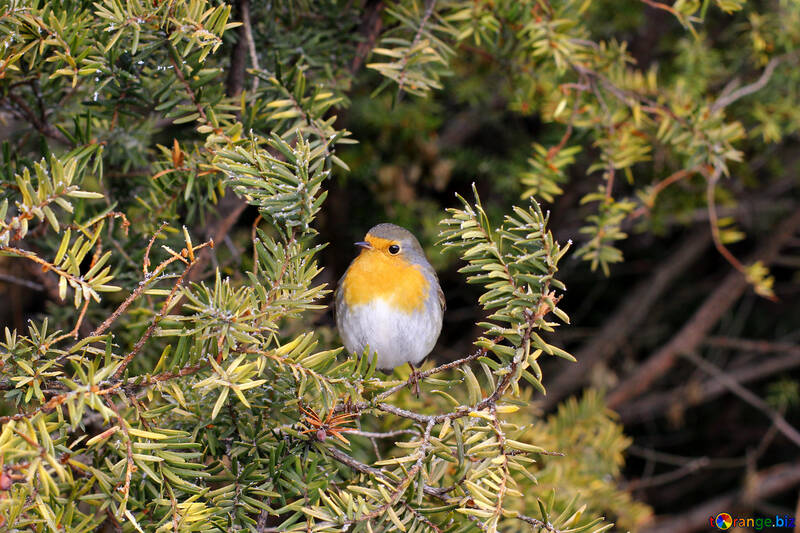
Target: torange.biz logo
point(726, 521)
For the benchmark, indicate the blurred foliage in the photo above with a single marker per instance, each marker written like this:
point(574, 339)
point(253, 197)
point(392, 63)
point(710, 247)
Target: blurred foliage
point(162, 394)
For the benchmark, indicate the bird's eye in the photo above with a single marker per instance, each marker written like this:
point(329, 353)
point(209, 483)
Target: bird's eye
point(394, 249)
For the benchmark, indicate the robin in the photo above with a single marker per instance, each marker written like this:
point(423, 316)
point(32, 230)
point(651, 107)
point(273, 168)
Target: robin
point(389, 299)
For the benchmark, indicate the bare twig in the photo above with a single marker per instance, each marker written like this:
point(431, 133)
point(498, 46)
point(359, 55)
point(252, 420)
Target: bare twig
point(780, 422)
point(32, 285)
point(660, 186)
point(726, 100)
point(760, 485)
point(151, 328)
point(700, 323)
point(654, 405)
point(385, 435)
point(625, 320)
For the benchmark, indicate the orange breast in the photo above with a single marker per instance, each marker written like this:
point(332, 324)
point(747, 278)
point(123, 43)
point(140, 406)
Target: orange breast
point(373, 274)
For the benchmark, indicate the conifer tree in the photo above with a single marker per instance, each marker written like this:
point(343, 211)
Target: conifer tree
point(177, 380)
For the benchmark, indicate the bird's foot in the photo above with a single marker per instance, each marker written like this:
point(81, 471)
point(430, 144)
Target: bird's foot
point(413, 380)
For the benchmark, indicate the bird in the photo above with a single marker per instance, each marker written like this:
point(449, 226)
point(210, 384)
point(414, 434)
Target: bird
point(389, 300)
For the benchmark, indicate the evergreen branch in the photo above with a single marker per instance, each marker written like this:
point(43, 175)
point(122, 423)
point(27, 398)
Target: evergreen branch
point(429, 6)
point(141, 287)
point(153, 323)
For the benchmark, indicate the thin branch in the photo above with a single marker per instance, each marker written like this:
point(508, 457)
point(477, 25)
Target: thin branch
point(660, 186)
point(700, 323)
point(760, 485)
point(233, 209)
point(32, 285)
point(385, 435)
point(714, 221)
point(441, 368)
point(656, 404)
point(780, 422)
point(129, 467)
point(139, 290)
point(726, 100)
point(627, 317)
point(663, 7)
point(668, 477)
point(151, 328)
point(401, 80)
point(41, 126)
point(751, 345)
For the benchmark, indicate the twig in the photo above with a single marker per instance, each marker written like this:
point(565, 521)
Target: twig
point(441, 368)
point(711, 186)
point(386, 435)
point(780, 422)
point(726, 100)
point(138, 291)
point(43, 127)
point(179, 74)
point(233, 209)
point(660, 186)
point(668, 477)
point(129, 452)
point(751, 345)
point(429, 6)
point(664, 7)
point(655, 404)
point(700, 323)
point(760, 485)
point(32, 285)
point(164, 308)
point(625, 320)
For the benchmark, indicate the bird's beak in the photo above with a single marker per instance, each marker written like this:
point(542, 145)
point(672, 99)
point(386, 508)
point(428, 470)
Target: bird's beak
point(363, 244)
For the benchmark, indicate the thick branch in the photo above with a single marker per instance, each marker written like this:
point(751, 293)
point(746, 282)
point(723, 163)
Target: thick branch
point(235, 81)
point(370, 29)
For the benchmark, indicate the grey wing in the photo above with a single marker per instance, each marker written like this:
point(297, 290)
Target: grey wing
point(442, 301)
point(338, 299)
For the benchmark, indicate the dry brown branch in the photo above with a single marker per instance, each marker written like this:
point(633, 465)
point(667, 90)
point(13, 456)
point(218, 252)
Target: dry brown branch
point(628, 317)
point(151, 328)
point(370, 29)
point(660, 186)
point(233, 207)
point(26, 113)
point(139, 290)
point(732, 385)
point(689, 337)
point(751, 345)
point(664, 7)
point(758, 486)
point(656, 404)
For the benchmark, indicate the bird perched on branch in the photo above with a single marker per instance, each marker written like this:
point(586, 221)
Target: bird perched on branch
point(389, 299)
